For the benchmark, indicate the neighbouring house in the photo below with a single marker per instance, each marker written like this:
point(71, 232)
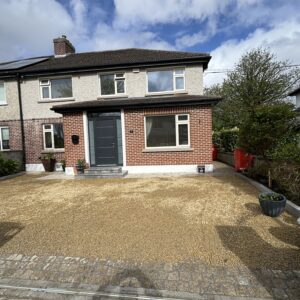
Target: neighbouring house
point(296, 93)
point(137, 109)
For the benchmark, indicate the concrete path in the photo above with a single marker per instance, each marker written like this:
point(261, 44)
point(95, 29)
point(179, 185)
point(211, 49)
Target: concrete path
point(57, 277)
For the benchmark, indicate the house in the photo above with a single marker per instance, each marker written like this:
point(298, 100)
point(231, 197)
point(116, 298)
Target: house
point(137, 109)
point(296, 93)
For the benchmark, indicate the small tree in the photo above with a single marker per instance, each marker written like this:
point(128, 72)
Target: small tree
point(258, 79)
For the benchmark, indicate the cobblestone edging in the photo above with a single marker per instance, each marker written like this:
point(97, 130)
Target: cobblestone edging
point(156, 279)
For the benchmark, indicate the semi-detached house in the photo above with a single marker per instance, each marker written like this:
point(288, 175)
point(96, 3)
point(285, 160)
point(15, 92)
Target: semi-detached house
point(137, 109)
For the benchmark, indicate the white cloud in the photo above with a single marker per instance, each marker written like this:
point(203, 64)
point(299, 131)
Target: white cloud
point(28, 27)
point(151, 12)
point(283, 39)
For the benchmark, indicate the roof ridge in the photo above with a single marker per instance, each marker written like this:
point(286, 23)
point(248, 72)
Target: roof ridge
point(144, 49)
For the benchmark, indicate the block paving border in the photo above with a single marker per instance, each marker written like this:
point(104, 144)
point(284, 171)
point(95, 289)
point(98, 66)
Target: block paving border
point(179, 280)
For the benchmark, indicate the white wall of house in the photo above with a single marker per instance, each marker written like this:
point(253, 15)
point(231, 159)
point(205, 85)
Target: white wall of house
point(85, 88)
point(298, 100)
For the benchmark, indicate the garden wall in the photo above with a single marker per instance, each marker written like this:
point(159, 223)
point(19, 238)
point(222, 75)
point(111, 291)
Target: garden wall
point(15, 155)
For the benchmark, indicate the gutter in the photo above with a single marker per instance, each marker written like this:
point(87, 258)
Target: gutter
point(21, 120)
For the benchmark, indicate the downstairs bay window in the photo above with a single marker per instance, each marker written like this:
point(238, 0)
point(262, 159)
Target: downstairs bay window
point(53, 136)
point(167, 131)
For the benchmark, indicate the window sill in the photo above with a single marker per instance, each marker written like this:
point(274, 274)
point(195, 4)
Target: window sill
point(165, 93)
point(56, 100)
point(3, 104)
point(171, 149)
point(112, 96)
point(53, 151)
point(5, 150)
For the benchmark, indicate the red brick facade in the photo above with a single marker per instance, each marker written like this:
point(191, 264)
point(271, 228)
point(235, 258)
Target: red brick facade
point(15, 139)
point(34, 142)
point(200, 138)
point(73, 125)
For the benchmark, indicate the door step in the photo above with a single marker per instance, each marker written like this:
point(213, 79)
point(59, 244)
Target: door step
point(103, 172)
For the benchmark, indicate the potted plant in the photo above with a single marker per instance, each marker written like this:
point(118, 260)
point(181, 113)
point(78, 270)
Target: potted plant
point(80, 166)
point(63, 164)
point(48, 162)
point(272, 204)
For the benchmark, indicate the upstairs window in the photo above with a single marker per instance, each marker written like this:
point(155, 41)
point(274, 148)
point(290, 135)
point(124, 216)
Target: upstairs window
point(112, 84)
point(166, 81)
point(4, 138)
point(53, 136)
point(167, 131)
point(56, 88)
point(2, 94)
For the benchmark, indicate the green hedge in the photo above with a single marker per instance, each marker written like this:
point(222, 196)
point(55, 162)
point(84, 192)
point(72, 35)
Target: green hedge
point(226, 139)
point(8, 166)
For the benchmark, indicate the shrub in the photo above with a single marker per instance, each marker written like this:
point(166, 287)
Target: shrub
point(226, 139)
point(287, 176)
point(8, 166)
point(286, 153)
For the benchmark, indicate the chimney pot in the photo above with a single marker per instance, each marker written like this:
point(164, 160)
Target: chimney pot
point(62, 46)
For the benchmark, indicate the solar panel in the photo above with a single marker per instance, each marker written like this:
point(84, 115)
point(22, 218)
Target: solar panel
point(21, 63)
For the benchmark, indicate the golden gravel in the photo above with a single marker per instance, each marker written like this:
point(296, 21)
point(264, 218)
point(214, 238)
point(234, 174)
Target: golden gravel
point(201, 218)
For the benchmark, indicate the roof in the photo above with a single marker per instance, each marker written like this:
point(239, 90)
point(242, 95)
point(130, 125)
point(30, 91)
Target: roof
point(295, 92)
point(143, 102)
point(114, 59)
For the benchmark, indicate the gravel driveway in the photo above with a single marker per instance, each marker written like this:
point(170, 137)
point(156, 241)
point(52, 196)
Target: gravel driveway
point(215, 219)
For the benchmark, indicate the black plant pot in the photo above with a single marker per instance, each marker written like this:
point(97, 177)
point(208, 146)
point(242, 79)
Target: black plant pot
point(80, 169)
point(270, 207)
point(49, 164)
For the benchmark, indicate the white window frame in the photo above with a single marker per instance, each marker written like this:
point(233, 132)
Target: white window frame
point(115, 83)
point(177, 123)
point(52, 137)
point(48, 84)
point(1, 143)
point(4, 87)
point(174, 90)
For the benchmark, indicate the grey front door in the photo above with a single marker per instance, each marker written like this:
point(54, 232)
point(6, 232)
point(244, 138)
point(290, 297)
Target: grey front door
point(105, 141)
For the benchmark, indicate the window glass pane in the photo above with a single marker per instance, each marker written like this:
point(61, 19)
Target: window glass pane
point(48, 139)
point(182, 117)
point(58, 136)
point(179, 82)
point(45, 91)
point(178, 71)
point(159, 81)
point(107, 84)
point(47, 126)
point(61, 88)
point(183, 134)
point(2, 94)
point(160, 131)
point(5, 138)
point(43, 82)
point(120, 86)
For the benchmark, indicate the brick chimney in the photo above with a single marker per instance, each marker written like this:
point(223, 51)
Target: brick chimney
point(62, 46)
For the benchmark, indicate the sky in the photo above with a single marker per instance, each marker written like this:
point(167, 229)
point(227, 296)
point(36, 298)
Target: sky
point(225, 28)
